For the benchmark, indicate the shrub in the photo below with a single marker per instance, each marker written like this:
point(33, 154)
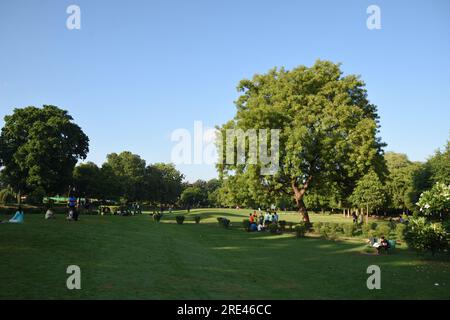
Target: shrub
point(224, 222)
point(300, 230)
point(425, 237)
point(373, 225)
point(157, 217)
point(273, 228)
point(383, 230)
point(317, 226)
point(282, 225)
point(7, 196)
point(246, 224)
point(197, 219)
point(349, 229)
point(400, 231)
point(366, 228)
point(180, 219)
point(291, 225)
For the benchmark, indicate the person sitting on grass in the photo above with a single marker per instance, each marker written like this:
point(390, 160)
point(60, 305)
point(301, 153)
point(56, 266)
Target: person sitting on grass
point(260, 227)
point(49, 214)
point(18, 217)
point(252, 218)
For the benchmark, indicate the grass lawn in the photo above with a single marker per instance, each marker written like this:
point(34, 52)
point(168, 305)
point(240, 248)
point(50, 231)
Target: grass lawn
point(136, 258)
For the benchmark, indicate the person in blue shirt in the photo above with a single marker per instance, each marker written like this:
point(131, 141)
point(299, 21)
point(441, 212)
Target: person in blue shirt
point(18, 217)
point(72, 204)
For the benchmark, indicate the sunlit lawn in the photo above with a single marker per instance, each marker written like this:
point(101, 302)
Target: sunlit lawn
point(136, 258)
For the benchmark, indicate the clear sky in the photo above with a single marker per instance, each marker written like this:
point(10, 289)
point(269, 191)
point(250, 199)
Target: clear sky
point(138, 70)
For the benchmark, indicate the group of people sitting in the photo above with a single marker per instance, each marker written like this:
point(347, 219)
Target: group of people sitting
point(260, 222)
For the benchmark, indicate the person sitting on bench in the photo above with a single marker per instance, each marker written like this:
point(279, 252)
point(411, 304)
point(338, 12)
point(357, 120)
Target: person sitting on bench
point(383, 245)
point(18, 217)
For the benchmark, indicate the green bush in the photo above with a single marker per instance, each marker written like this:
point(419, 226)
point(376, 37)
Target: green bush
point(400, 231)
point(197, 219)
point(224, 222)
point(7, 196)
point(317, 226)
point(366, 228)
point(282, 225)
point(424, 236)
point(300, 230)
point(246, 224)
point(273, 228)
point(349, 229)
point(383, 230)
point(180, 219)
point(291, 225)
point(373, 225)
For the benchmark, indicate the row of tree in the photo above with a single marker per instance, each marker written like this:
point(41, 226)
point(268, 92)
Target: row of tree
point(125, 177)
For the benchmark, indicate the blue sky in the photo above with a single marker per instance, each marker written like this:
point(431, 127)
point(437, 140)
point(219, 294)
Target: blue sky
point(138, 70)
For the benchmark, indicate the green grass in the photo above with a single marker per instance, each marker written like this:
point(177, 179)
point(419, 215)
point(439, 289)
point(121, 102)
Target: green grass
point(136, 258)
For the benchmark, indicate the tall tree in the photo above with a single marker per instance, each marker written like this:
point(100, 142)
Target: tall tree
point(369, 193)
point(169, 183)
point(328, 130)
point(87, 178)
point(399, 183)
point(39, 148)
point(129, 171)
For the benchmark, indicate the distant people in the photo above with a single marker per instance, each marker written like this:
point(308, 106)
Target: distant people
point(275, 217)
point(260, 227)
point(261, 219)
point(270, 218)
point(72, 204)
point(252, 218)
point(266, 219)
point(19, 216)
point(355, 218)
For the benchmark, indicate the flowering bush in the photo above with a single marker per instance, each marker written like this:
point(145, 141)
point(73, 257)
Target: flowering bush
point(435, 202)
point(424, 236)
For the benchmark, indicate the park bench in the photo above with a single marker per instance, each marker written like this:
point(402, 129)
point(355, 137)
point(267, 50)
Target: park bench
point(390, 248)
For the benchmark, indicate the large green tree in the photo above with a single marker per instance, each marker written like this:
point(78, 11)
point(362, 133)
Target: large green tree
point(328, 132)
point(88, 180)
point(168, 183)
point(369, 193)
point(400, 182)
point(128, 171)
point(39, 148)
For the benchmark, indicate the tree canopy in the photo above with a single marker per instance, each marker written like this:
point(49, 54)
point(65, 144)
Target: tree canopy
point(39, 148)
point(328, 132)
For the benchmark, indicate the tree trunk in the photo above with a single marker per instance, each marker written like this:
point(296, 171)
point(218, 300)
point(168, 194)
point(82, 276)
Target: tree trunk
point(367, 219)
point(298, 197)
point(19, 198)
